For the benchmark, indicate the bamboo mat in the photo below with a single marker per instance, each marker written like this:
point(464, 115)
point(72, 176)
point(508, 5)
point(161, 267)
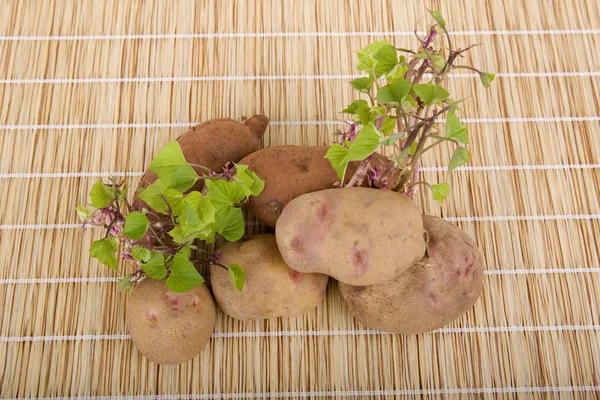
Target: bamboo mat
point(89, 88)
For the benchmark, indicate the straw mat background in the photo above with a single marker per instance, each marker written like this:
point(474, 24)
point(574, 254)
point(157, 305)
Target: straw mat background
point(89, 88)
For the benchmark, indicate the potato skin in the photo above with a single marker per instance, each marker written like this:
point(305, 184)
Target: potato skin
point(216, 142)
point(291, 171)
point(359, 236)
point(272, 289)
point(168, 327)
point(432, 293)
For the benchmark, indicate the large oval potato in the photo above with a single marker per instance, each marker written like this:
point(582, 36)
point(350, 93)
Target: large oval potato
point(291, 171)
point(168, 327)
point(214, 143)
point(359, 236)
point(272, 289)
point(432, 293)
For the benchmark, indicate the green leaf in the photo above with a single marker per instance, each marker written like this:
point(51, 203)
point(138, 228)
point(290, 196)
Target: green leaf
point(224, 194)
point(101, 195)
point(180, 235)
point(456, 130)
point(363, 85)
point(388, 126)
point(440, 192)
point(364, 145)
point(437, 15)
point(390, 140)
point(184, 276)
point(253, 184)
point(167, 161)
point(206, 211)
point(152, 196)
point(393, 93)
point(430, 94)
point(386, 58)
point(396, 73)
point(461, 156)
point(136, 225)
point(452, 105)
point(104, 251)
point(365, 114)
point(439, 93)
point(140, 253)
point(438, 60)
point(125, 282)
point(230, 224)
point(155, 267)
point(413, 147)
point(193, 199)
point(237, 276)
point(84, 212)
point(366, 63)
point(379, 110)
point(183, 178)
point(184, 254)
point(336, 155)
point(423, 54)
point(198, 225)
point(353, 108)
point(487, 78)
point(189, 216)
point(366, 59)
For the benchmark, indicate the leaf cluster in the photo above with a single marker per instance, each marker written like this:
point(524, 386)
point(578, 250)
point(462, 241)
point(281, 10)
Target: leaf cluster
point(158, 239)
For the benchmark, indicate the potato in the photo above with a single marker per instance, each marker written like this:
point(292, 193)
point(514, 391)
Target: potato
point(272, 289)
point(432, 293)
point(215, 143)
point(168, 327)
point(291, 171)
point(359, 236)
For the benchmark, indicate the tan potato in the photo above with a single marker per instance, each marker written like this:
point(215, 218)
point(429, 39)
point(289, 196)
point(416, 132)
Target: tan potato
point(168, 327)
point(432, 293)
point(291, 171)
point(272, 289)
point(359, 236)
point(215, 143)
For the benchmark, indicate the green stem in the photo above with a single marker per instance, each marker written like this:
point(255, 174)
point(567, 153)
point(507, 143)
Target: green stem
point(466, 67)
point(202, 167)
point(419, 183)
point(445, 138)
point(373, 102)
point(426, 149)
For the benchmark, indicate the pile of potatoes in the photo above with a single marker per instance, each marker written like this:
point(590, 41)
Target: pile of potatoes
point(399, 271)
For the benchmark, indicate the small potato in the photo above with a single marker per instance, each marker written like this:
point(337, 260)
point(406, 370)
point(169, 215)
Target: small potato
point(359, 236)
point(168, 327)
point(432, 293)
point(272, 289)
point(291, 171)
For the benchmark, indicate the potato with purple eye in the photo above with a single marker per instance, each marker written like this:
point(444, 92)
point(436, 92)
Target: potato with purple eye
point(272, 289)
point(359, 236)
point(168, 327)
point(434, 292)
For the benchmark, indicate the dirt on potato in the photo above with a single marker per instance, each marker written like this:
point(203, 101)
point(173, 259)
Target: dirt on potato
point(272, 289)
point(291, 171)
point(168, 327)
point(359, 236)
point(434, 292)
